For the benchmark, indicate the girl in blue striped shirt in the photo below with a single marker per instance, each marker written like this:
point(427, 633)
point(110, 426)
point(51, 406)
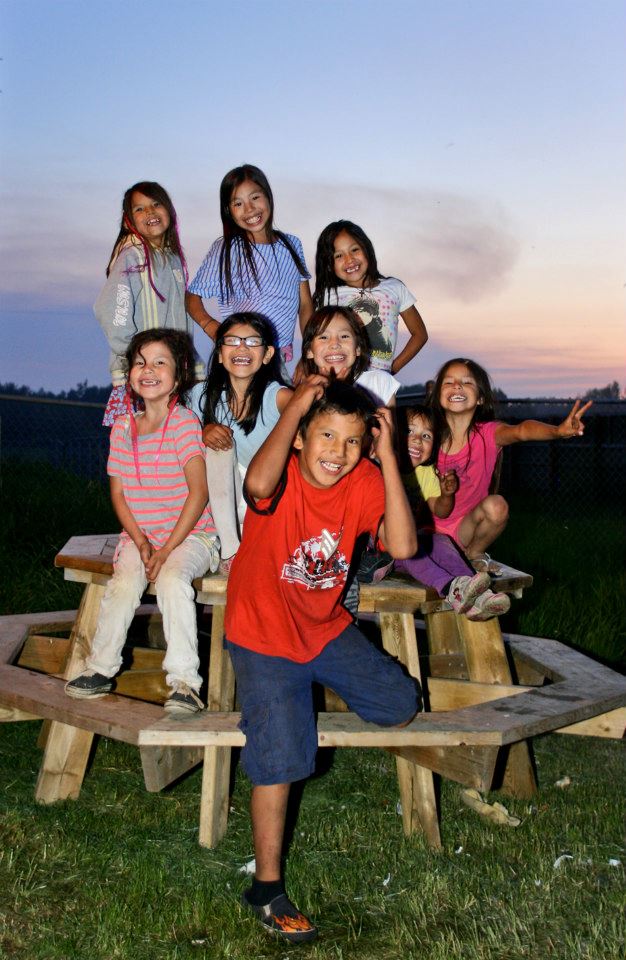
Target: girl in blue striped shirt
point(253, 267)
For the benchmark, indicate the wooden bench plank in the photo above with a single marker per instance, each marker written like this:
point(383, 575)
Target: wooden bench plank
point(15, 629)
point(44, 696)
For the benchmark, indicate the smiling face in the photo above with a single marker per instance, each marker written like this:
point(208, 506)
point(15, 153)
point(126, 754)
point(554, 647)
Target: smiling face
point(334, 347)
point(459, 390)
point(241, 362)
point(250, 209)
point(150, 218)
point(349, 260)
point(331, 448)
point(152, 375)
point(419, 440)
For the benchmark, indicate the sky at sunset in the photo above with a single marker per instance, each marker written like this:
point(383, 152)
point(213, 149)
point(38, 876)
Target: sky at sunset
point(479, 143)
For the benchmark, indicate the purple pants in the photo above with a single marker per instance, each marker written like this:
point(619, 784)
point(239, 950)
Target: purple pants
point(436, 562)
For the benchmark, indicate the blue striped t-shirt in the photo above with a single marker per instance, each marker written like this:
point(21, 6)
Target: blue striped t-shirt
point(277, 295)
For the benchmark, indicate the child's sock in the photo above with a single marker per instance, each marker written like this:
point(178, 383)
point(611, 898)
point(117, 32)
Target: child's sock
point(262, 892)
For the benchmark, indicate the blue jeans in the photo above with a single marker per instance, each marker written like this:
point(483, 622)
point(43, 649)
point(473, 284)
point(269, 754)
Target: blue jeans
point(276, 697)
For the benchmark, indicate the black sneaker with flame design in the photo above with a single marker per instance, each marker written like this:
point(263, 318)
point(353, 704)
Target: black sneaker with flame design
point(282, 919)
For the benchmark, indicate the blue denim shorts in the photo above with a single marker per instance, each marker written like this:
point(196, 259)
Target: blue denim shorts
point(276, 698)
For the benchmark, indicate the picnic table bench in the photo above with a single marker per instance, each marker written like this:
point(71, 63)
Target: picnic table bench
point(484, 697)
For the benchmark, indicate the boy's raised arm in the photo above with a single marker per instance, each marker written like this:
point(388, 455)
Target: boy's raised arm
point(397, 531)
point(269, 462)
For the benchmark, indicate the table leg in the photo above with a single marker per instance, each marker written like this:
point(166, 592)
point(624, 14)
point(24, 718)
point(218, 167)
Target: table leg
point(67, 748)
point(416, 783)
point(487, 663)
point(216, 772)
point(471, 766)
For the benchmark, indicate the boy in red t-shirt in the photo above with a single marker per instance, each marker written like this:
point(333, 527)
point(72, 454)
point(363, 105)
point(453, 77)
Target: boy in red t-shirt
point(285, 622)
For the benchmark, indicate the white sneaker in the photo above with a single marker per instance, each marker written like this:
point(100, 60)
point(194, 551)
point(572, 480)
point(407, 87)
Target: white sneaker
point(464, 591)
point(487, 605)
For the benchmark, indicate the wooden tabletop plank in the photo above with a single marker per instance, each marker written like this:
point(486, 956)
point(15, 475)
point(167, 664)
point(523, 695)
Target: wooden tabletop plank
point(94, 554)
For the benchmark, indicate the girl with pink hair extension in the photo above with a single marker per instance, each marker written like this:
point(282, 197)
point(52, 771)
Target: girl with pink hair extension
point(146, 282)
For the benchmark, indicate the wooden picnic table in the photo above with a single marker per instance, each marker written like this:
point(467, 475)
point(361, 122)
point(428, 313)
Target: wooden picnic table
point(475, 728)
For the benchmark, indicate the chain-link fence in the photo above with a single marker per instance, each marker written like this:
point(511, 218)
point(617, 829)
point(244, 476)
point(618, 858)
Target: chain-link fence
point(565, 474)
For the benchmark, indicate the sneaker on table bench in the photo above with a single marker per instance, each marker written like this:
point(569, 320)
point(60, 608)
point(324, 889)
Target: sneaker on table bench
point(488, 605)
point(464, 590)
point(182, 701)
point(282, 919)
point(89, 685)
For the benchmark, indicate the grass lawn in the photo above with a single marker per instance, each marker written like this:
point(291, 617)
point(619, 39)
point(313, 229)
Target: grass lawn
point(119, 873)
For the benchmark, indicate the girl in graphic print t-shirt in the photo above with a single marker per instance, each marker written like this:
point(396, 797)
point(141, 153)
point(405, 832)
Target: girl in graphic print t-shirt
point(346, 273)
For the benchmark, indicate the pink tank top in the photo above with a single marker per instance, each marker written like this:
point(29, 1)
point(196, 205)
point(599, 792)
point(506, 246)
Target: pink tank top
point(474, 466)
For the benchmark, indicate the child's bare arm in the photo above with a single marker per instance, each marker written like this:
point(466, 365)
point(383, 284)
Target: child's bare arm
point(572, 426)
point(397, 531)
point(267, 465)
point(128, 522)
point(195, 308)
point(195, 475)
point(417, 339)
point(443, 505)
point(305, 309)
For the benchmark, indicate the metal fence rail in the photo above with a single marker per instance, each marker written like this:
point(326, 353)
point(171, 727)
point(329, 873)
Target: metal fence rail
point(564, 474)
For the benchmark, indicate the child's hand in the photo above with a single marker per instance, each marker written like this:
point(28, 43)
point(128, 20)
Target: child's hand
point(154, 564)
point(217, 436)
point(341, 374)
point(573, 425)
point(145, 552)
point(309, 390)
point(449, 482)
point(383, 434)
point(298, 374)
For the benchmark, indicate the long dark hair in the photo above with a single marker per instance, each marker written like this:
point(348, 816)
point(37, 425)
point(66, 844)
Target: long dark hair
point(325, 276)
point(484, 412)
point(171, 240)
point(218, 382)
point(180, 346)
point(235, 238)
point(318, 323)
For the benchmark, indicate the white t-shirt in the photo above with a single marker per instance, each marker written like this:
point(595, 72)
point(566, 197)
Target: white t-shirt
point(379, 308)
point(380, 385)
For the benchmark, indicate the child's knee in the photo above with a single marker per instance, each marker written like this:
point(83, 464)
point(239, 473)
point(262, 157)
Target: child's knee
point(173, 582)
point(496, 509)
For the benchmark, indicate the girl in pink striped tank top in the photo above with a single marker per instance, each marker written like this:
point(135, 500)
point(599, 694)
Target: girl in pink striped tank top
point(159, 493)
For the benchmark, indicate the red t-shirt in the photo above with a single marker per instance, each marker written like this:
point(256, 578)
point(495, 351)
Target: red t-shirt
point(288, 576)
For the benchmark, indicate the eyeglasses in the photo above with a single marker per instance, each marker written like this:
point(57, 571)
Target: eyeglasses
point(237, 341)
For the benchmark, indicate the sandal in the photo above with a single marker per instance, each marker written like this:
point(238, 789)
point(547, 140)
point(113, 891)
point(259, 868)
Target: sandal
point(483, 563)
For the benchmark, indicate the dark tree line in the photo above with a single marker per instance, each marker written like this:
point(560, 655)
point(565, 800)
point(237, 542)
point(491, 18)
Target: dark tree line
point(82, 391)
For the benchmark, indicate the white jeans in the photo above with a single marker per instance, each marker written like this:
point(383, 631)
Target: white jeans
point(175, 599)
point(228, 507)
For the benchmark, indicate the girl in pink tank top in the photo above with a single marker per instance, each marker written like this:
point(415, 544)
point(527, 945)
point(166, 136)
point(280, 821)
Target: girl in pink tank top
point(470, 441)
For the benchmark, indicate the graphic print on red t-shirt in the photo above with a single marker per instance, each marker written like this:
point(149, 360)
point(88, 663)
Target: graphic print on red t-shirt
point(317, 563)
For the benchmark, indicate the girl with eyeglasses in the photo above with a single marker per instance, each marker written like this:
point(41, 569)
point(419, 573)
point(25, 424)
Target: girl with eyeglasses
point(240, 403)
